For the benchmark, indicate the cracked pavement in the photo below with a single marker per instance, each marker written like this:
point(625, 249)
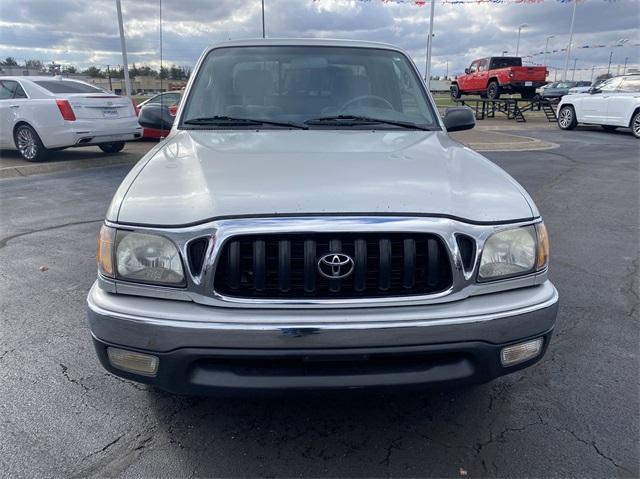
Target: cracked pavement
point(573, 414)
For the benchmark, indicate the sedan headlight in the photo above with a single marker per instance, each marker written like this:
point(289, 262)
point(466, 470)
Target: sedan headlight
point(514, 252)
point(139, 257)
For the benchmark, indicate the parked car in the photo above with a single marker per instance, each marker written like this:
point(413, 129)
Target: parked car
point(585, 88)
point(613, 104)
point(166, 106)
point(490, 77)
point(39, 114)
point(309, 224)
point(557, 90)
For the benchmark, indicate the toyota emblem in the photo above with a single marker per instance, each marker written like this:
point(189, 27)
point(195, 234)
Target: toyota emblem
point(335, 265)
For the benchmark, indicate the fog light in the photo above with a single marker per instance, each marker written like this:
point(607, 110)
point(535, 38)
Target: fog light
point(521, 352)
point(133, 362)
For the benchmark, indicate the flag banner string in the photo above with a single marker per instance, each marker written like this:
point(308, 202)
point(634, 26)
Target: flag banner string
point(422, 3)
point(579, 47)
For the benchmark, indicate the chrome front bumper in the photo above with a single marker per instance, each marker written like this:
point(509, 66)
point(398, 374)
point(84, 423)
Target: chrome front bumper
point(165, 325)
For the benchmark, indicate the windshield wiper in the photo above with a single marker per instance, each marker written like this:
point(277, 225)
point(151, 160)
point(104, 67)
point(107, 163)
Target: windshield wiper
point(352, 120)
point(222, 120)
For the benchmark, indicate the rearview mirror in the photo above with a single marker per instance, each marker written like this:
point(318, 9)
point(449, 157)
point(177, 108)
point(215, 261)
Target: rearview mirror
point(156, 117)
point(459, 118)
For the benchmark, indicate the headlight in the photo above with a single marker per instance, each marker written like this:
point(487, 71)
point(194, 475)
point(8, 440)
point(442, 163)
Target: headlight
point(148, 258)
point(514, 252)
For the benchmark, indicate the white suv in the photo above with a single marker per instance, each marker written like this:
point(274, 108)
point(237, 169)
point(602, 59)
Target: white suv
point(38, 114)
point(615, 103)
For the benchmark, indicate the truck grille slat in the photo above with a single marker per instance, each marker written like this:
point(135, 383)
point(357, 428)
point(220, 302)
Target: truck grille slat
point(285, 266)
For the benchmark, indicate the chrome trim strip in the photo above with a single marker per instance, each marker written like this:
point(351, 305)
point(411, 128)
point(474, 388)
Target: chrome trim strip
point(200, 288)
point(325, 326)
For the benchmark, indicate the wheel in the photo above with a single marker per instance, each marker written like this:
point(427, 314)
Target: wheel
point(29, 144)
point(528, 94)
point(112, 147)
point(609, 127)
point(567, 118)
point(635, 124)
point(493, 90)
point(455, 92)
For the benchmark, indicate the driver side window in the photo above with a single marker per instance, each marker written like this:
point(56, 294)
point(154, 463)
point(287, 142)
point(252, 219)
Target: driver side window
point(611, 85)
point(473, 68)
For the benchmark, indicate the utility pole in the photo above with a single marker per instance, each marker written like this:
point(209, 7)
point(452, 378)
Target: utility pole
point(573, 74)
point(263, 34)
point(109, 76)
point(127, 84)
point(573, 19)
point(520, 27)
point(609, 67)
point(624, 71)
point(427, 71)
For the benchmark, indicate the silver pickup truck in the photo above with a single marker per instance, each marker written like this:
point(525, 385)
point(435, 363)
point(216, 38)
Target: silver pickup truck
point(309, 224)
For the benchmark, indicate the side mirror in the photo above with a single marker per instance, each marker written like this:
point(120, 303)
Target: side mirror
point(459, 118)
point(593, 91)
point(467, 70)
point(156, 117)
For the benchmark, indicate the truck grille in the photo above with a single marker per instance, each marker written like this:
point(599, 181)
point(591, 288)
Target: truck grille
point(275, 266)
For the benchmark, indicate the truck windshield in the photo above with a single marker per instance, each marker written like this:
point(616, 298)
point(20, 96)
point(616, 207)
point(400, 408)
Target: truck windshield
point(326, 87)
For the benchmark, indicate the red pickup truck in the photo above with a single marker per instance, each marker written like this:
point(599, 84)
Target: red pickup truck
point(489, 77)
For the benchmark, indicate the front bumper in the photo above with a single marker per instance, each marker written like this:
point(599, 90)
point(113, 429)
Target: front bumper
point(204, 349)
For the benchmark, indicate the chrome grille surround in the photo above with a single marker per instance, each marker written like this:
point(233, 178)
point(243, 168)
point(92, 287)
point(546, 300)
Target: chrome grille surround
point(200, 287)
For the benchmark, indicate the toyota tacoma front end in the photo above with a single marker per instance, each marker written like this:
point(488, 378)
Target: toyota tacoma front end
point(308, 224)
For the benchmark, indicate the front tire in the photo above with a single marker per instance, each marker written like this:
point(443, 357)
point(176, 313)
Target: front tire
point(112, 147)
point(455, 92)
point(567, 118)
point(635, 124)
point(493, 90)
point(29, 144)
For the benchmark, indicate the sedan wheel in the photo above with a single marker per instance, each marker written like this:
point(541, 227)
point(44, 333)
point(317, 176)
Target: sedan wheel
point(567, 118)
point(29, 144)
point(635, 125)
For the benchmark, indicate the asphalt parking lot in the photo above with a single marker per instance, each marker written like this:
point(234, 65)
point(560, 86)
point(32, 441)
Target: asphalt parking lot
point(573, 414)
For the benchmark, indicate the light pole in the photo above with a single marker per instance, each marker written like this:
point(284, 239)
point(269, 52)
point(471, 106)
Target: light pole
point(263, 34)
point(546, 47)
point(427, 70)
point(573, 74)
point(520, 27)
point(609, 67)
point(123, 45)
point(504, 51)
point(573, 19)
point(624, 71)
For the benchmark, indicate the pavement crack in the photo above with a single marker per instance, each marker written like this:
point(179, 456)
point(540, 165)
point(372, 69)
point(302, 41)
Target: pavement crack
point(5, 240)
point(72, 380)
point(394, 444)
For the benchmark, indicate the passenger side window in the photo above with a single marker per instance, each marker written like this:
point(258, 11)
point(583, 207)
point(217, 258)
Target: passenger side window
point(19, 92)
point(610, 85)
point(7, 89)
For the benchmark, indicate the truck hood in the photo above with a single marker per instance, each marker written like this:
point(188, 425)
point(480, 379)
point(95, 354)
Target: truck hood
point(197, 176)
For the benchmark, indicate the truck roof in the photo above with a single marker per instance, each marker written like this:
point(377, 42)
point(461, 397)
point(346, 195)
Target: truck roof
point(324, 42)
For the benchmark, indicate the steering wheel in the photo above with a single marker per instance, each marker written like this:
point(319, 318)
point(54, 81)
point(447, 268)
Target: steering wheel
point(378, 99)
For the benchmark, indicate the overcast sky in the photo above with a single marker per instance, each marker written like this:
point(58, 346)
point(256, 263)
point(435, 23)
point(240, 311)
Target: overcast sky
point(85, 33)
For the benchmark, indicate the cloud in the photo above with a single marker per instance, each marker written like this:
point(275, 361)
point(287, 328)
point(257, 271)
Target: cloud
point(86, 33)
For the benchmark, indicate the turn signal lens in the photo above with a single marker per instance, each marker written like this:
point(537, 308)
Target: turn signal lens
point(133, 362)
point(104, 254)
point(519, 353)
point(542, 255)
point(65, 110)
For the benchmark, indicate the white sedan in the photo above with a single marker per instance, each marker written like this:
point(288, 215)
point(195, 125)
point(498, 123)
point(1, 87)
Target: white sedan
point(613, 104)
point(39, 114)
